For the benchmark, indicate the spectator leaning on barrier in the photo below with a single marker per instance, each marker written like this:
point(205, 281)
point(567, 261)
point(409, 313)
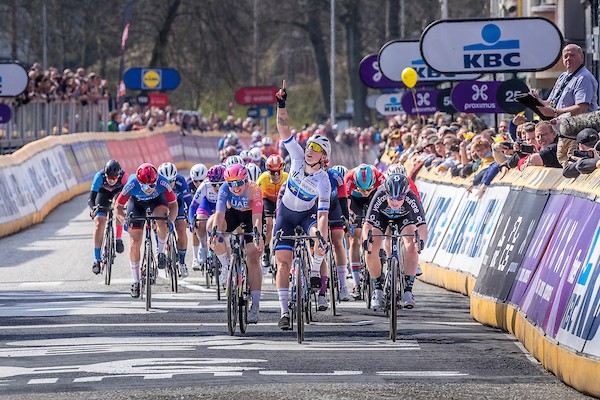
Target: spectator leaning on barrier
point(575, 92)
point(548, 141)
point(584, 160)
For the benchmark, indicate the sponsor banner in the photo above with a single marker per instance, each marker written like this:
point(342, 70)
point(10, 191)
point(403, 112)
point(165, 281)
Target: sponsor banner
point(176, 146)
point(151, 78)
point(44, 176)
point(491, 45)
point(255, 95)
point(476, 97)
point(547, 294)
point(580, 321)
point(515, 228)
point(537, 246)
point(158, 151)
point(441, 210)
point(426, 191)
point(396, 55)
point(61, 166)
point(126, 152)
point(473, 238)
point(371, 75)
point(101, 154)
point(72, 162)
point(207, 150)
point(389, 104)
point(426, 102)
point(86, 159)
point(13, 80)
point(9, 210)
point(191, 151)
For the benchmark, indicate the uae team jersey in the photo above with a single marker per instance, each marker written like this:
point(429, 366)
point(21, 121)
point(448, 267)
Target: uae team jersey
point(249, 199)
point(304, 190)
point(133, 188)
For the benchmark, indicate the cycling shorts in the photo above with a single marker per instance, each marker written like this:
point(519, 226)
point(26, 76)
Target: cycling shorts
point(234, 218)
point(269, 208)
point(137, 208)
point(206, 208)
point(104, 200)
point(413, 216)
point(359, 206)
point(181, 210)
point(335, 215)
point(286, 222)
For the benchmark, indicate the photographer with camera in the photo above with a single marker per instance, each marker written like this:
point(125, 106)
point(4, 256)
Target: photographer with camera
point(585, 158)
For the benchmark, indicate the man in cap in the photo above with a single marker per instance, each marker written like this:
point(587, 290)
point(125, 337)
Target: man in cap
point(585, 157)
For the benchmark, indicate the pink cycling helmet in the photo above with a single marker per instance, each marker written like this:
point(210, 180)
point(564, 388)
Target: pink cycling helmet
point(236, 172)
point(216, 173)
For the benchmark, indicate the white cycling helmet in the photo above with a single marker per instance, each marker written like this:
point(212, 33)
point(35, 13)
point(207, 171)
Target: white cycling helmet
point(341, 169)
point(255, 154)
point(321, 141)
point(267, 141)
point(168, 170)
point(253, 171)
point(198, 172)
point(395, 169)
point(234, 160)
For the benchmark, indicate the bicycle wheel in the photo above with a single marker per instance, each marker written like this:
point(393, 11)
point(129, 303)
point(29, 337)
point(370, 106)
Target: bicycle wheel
point(207, 268)
point(232, 299)
point(333, 281)
point(394, 275)
point(367, 287)
point(243, 302)
point(172, 261)
point(108, 252)
point(299, 292)
point(149, 272)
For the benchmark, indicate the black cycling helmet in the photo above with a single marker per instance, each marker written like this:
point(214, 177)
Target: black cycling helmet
point(397, 186)
point(112, 168)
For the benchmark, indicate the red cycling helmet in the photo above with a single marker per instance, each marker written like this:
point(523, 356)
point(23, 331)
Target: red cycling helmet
point(147, 174)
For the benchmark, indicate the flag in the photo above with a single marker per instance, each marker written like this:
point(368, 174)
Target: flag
point(124, 36)
point(122, 91)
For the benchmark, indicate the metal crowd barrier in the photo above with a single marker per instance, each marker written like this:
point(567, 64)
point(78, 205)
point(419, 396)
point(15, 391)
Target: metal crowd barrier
point(38, 119)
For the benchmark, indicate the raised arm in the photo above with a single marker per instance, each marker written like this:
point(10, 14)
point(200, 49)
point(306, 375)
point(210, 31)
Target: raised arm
point(283, 126)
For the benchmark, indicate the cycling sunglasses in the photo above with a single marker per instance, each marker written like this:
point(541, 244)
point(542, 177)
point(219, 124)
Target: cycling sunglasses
point(398, 198)
point(216, 184)
point(148, 187)
point(315, 147)
point(234, 184)
point(274, 172)
point(112, 178)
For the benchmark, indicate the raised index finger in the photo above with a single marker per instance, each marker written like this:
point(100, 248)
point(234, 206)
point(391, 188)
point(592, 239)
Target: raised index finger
point(283, 85)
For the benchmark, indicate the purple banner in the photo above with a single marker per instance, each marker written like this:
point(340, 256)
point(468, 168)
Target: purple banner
point(174, 140)
point(371, 75)
point(426, 102)
point(5, 113)
point(547, 295)
point(88, 158)
point(476, 97)
point(537, 246)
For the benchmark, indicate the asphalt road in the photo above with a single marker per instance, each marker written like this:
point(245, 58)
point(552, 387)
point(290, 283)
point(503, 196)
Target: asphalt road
point(64, 334)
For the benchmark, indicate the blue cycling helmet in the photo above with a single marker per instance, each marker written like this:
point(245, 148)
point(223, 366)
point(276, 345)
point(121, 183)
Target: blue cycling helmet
point(397, 186)
point(365, 177)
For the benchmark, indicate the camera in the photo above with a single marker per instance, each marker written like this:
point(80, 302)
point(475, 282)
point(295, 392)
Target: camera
point(527, 148)
point(583, 153)
point(454, 148)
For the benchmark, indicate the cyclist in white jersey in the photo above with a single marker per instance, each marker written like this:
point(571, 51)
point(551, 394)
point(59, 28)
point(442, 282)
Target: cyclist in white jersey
point(305, 203)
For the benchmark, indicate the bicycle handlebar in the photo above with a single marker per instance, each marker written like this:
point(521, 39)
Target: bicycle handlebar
point(415, 235)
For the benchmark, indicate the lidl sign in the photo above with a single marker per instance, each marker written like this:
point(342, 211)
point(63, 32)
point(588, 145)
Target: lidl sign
point(151, 79)
point(491, 45)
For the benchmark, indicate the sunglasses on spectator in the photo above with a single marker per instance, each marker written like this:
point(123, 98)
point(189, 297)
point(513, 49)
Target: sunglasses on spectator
point(315, 147)
point(234, 184)
point(148, 187)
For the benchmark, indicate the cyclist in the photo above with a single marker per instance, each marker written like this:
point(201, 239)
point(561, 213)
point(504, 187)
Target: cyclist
point(361, 183)
point(254, 172)
point(245, 156)
point(240, 202)
point(197, 175)
point(184, 198)
point(235, 159)
point(203, 205)
point(394, 202)
point(338, 212)
point(305, 203)
point(147, 189)
point(107, 183)
point(270, 182)
point(257, 158)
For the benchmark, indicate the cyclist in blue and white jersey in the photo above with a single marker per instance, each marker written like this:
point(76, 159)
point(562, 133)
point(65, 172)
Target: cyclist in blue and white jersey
point(197, 175)
point(106, 185)
point(203, 205)
point(304, 203)
point(146, 189)
point(184, 198)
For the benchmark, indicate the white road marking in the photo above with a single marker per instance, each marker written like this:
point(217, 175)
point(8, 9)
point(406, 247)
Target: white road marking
point(88, 379)
point(40, 284)
point(334, 373)
point(531, 358)
point(42, 381)
point(421, 373)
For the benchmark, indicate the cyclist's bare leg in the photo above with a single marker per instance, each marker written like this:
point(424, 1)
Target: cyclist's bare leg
point(219, 244)
point(284, 262)
point(339, 254)
point(372, 259)
point(355, 243)
point(181, 228)
point(118, 223)
point(99, 225)
point(135, 242)
point(269, 232)
point(161, 227)
point(200, 235)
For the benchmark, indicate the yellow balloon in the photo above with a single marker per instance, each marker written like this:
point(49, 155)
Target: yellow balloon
point(409, 77)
